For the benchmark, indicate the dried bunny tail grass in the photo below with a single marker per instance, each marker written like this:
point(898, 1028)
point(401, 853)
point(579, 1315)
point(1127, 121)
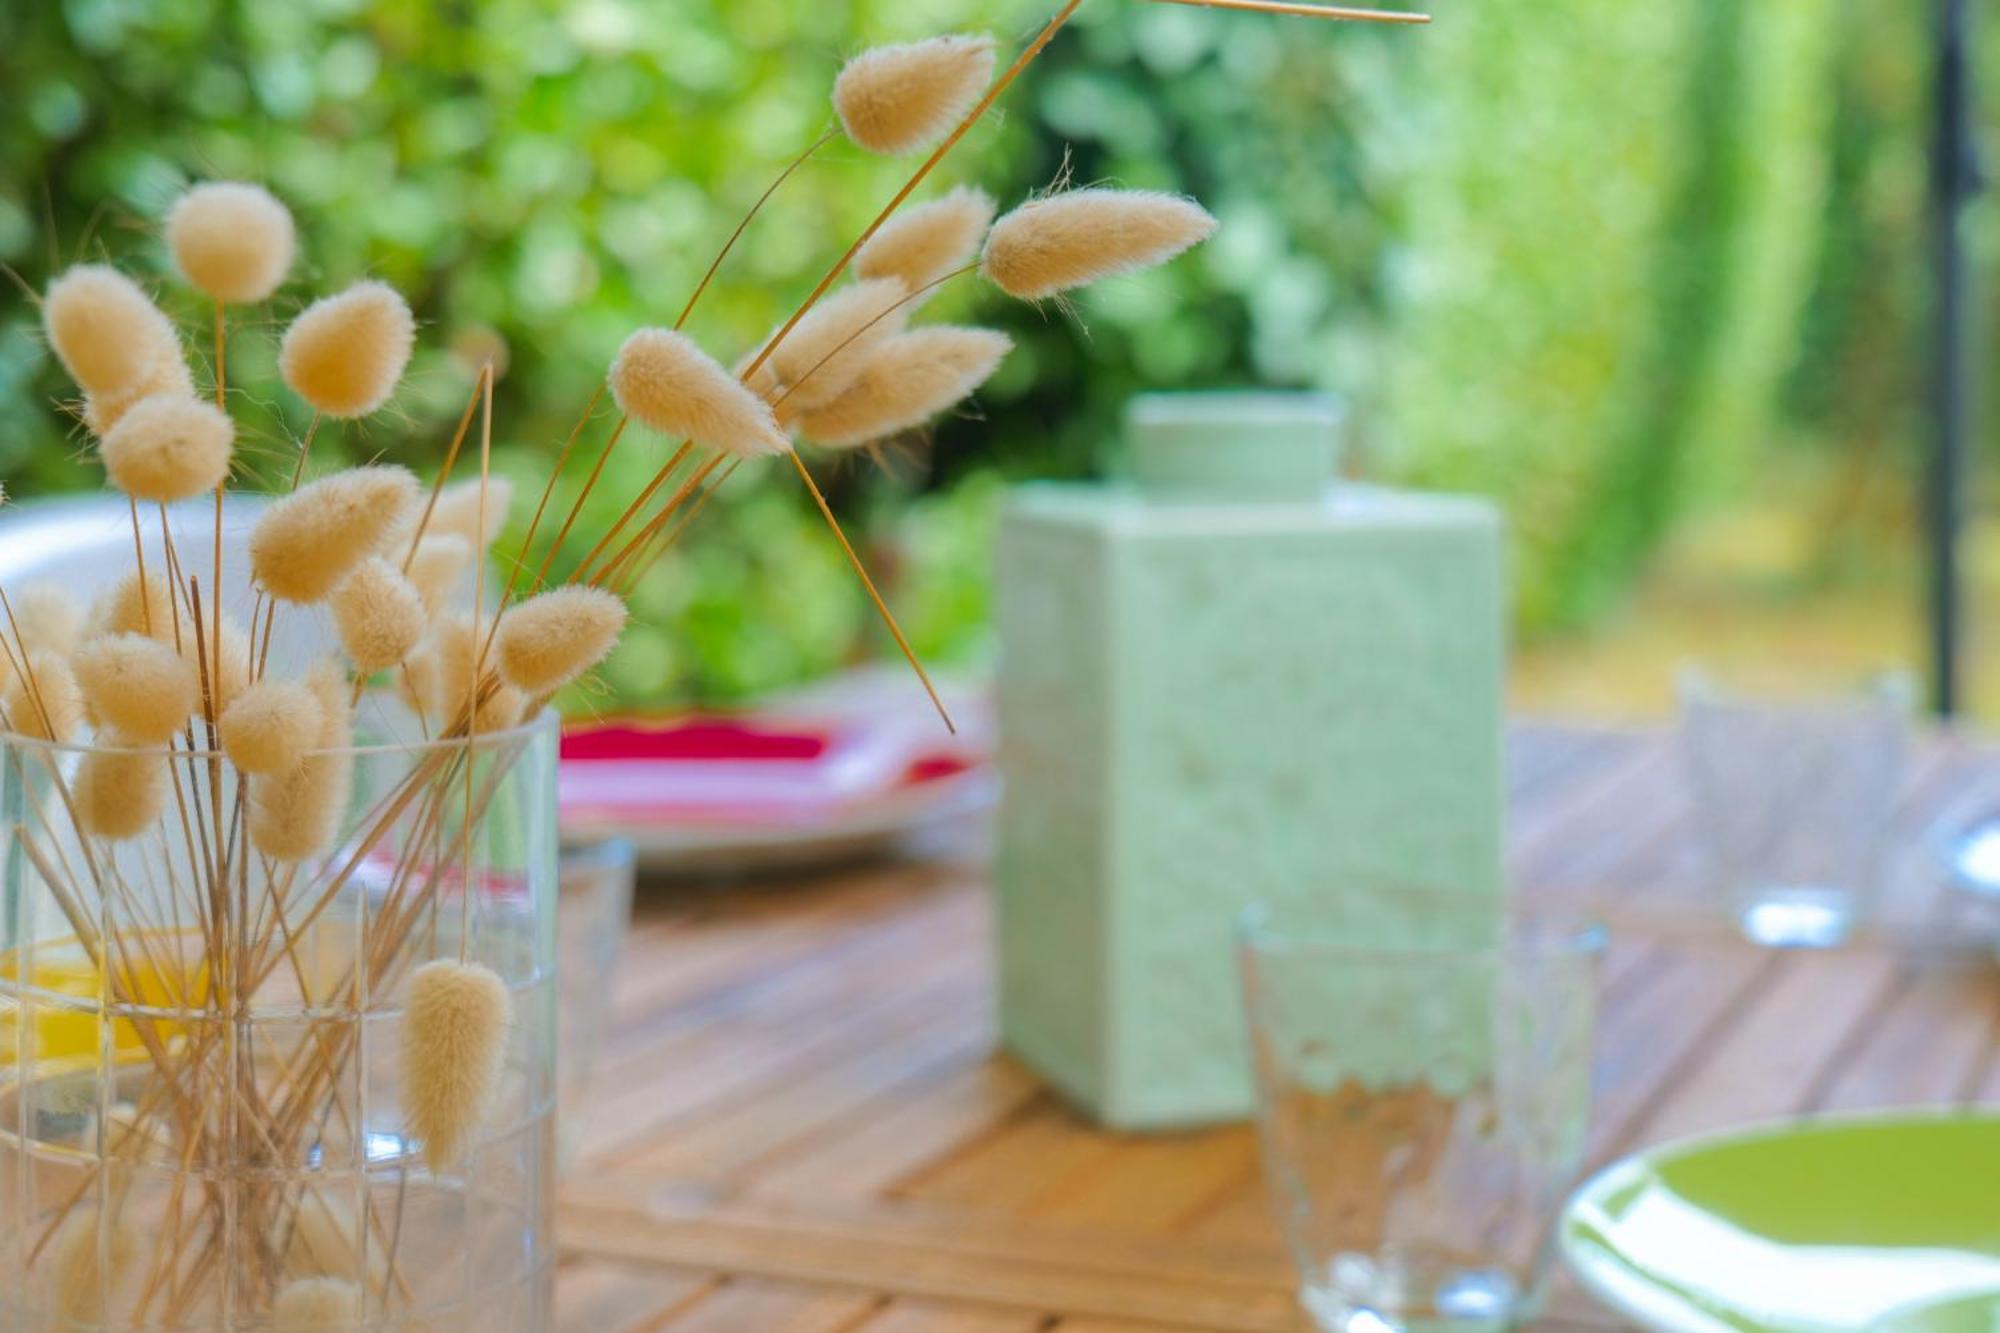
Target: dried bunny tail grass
point(134, 605)
point(232, 241)
point(378, 614)
point(455, 684)
point(53, 709)
point(270, 725)
point(137, 686)
point(304, 545)
point(168, 448)
point(345, 352)
point(662, 380)
point(88, 1268)
point(168, 375)
point(317, 1305)
point(454, 1038)
point(552, 638)
point(295, 815)
point(417, 681)
point(1051, 245)
point(825, 351)
point(105, 329)
point(119, 793)
point(921, 245)
point(46, 617)
point(897, 99)
point(909, 379)
point(437, 566)
point(233, 673)
point(457, 511)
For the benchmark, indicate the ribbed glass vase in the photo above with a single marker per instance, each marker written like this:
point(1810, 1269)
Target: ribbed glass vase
point(208, 1115)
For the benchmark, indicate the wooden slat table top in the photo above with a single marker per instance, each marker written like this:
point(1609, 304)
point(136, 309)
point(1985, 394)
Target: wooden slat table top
point(802, 1124)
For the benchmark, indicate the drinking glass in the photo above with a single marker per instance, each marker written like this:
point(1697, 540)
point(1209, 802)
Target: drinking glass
point(1423, 1080)
point(1792, 803)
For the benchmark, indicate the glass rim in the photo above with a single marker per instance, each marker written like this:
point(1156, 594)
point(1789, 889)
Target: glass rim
point(1524, 933)
point(1698, 682)
point(547, 719)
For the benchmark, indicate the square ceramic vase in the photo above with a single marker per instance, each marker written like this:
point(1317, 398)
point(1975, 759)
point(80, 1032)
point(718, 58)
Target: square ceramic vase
point(1226, 679)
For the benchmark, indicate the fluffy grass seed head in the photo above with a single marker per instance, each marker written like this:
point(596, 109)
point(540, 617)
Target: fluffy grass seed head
point(550, 639)
point(378, 614)
point(662, 380)
point(47, 617)
point(295, 815)
point(169, 447)
point(344, 353)
point(922, 244)
point(87, 1268)
point(456, 513)
point(137, 686)
point(454, 1037)
point(897, 99)
point(270, 725)
point(107, 332)
point(455, 683)
point(168, 375)
point(53, 709)
point(231, 240)
point(437, 566)
point(825, 352)
point(1051, 245)
point(417, 680)
point(317, 1305)
point(119, 793)
point(304, 545)
point(134, 605)
point(907, 381)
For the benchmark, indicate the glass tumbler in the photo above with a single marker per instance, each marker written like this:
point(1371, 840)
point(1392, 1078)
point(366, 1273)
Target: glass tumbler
point(1792, 803)
point(1423, 1102)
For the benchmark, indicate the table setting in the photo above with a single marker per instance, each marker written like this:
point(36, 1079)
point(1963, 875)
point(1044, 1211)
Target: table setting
point(1219, 947)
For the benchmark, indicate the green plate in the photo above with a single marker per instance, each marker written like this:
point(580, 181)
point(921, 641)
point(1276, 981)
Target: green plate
point(1882, 1222)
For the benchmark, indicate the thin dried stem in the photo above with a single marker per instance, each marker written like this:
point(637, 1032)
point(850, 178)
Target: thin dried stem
point(881, 607)
point(305, 447)
point(631, 510)
point(549, 490)
point(674, 501)
point(569, 520)
point(1307, 11)
point(631, 566)
point(481, 384)
point(748, 218)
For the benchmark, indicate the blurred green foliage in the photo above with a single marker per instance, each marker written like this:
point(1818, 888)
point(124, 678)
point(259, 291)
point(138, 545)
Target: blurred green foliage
point(1600, 261)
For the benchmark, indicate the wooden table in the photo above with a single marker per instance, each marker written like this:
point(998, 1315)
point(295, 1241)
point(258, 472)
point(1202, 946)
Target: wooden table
point(802, 1125)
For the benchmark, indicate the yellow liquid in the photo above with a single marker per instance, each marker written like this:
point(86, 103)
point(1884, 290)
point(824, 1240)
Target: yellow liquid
point(151, 971)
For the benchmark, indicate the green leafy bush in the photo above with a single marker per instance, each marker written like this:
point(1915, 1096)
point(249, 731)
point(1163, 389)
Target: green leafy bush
point(1600, 261)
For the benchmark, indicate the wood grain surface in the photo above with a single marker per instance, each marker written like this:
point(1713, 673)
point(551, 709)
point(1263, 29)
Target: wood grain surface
point(801, 1123)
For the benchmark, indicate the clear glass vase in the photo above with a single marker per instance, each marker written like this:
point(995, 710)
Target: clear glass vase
point(205, 1107)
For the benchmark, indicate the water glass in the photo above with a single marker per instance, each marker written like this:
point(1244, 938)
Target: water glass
point(1792, 803)
point(1423, 1082)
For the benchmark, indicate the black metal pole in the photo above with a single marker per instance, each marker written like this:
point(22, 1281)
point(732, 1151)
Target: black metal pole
point(1954, 180)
